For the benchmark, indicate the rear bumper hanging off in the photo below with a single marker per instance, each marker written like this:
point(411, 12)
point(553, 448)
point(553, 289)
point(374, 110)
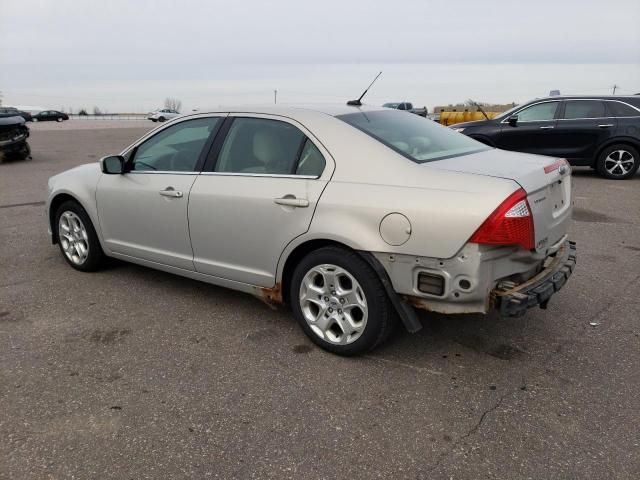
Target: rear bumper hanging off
point(537, 291)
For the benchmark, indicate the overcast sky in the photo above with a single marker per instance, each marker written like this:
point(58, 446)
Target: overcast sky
point(130, 55)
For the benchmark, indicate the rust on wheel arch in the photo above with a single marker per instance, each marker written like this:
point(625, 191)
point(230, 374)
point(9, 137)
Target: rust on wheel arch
point(271, 296)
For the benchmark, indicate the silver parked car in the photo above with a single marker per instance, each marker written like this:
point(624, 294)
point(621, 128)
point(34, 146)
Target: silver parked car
point(353, 216)
point(162, 115)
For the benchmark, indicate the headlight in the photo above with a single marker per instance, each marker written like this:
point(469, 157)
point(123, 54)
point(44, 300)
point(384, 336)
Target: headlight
point(458, 129)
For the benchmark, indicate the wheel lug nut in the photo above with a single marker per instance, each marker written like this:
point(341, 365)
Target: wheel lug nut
point(339, 310)
point(342, 300)
point(333, 292)
point(326, 299)
point(331, 310)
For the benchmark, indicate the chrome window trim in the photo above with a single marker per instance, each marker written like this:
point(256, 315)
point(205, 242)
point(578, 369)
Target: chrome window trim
point(506, 120)
point(162, 172)
point(267, 175)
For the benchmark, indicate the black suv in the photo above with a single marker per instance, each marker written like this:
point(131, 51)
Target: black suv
point(599, 132)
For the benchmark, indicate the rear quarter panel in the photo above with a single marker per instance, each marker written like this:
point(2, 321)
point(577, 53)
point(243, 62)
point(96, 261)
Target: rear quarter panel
point(442, 219)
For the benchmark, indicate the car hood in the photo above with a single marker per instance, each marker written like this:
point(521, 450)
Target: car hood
point(524, 168)
point(11, 120)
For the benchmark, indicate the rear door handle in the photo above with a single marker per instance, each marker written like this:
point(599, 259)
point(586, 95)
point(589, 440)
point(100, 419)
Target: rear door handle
point(606, 125)
point(291, 201)
point(171, 192)
point(547, 128)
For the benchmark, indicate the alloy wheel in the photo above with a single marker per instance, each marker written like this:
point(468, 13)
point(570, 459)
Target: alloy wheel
point(619, 162)
point(73, 237)
point(333, 304)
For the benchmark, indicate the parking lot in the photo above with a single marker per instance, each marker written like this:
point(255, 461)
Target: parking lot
point(131, 373)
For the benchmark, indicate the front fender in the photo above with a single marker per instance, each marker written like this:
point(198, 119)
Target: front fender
point(79, 183)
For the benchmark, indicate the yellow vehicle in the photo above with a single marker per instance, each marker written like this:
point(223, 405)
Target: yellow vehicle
point(453, 117)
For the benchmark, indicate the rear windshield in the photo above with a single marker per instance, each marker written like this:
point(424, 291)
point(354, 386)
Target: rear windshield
point(417, 138)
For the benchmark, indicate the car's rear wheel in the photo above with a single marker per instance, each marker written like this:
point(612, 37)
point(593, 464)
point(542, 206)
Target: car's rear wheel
point(340, 302)
point(77, 238)
point(618, 162)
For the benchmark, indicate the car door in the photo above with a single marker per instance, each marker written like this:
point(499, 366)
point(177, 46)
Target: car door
point(533, 132)
point(258, 193)
point(143, 212)
point(583, 127)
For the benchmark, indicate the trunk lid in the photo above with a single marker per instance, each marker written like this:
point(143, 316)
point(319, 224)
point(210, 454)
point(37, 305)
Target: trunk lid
point(546, 180)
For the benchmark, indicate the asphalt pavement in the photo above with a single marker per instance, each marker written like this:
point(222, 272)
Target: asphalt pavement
point(131, 373)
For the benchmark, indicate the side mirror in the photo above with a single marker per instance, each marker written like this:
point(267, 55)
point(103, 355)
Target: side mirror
point(112, 165)
point(513, 119)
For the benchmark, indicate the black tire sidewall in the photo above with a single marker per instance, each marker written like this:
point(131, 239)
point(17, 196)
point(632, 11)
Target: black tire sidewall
point(379, 315)
point(96, 256)
point(600, 167)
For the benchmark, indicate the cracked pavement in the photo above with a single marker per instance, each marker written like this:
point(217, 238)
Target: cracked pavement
point(133, 373)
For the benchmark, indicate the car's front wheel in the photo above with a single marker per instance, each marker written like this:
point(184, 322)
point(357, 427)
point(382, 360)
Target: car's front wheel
point(618, 162)
point(77, 238)
point(340, 302)
point(59, 119)
point(162, 119)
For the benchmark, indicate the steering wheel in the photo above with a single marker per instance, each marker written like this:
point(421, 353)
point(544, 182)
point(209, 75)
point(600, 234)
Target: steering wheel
point(151, 167)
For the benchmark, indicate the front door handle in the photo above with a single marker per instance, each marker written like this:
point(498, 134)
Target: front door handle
point(291, 201)
point(547, 127)
point(171, 192)
point(605, 125)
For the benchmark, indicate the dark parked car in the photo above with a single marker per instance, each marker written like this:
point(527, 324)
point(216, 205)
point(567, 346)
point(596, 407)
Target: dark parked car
point(407, 106)
point(13, 138)
point(599, 132)
point(50, 115)
point(15, 111)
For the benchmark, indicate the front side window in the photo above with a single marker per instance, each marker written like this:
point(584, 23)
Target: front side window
point(417, 138)
point(539, 112)
point(176, 148)
point(575, 109)
point(264, 146)
point(619, 109)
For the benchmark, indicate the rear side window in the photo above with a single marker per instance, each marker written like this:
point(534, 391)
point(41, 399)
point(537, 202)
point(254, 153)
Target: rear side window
point(311, 160)
point(575, 109)
point(539, 112)
point(264, 146)
point(618, 109)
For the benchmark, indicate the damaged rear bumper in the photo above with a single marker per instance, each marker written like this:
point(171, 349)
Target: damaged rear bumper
point(537, 291)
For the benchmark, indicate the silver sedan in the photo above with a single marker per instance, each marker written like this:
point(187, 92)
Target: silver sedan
point(353, 216)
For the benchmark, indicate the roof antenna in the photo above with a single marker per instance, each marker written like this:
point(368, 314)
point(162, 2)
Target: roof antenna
point(357, 103)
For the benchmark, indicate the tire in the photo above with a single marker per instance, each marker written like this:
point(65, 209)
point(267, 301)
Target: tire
point(335, 278)
point(59, 119)
point(618, 162)
point(153, 120)
point(25, 152)
point(34, 119)
point(161, 119)
point(85, 238)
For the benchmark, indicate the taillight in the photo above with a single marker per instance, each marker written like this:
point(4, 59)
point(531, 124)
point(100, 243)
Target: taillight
point(510, 224)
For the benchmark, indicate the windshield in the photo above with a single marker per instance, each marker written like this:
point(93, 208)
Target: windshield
point(417, 138)
point(391, 105)
point(507, 113)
